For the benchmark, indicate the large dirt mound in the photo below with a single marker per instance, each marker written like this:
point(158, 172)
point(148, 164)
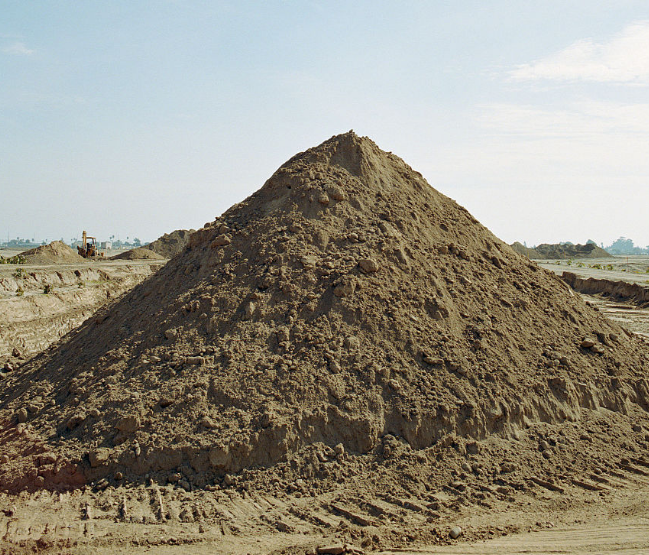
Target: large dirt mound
point(171, 244)
point(57, 252)
point(140, 253)
point(344, 302)
point(561, 251)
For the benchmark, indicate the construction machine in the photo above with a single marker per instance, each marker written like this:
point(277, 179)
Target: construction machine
point(88, 247)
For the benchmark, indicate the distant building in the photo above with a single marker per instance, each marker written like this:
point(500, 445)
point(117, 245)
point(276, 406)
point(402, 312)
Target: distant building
point(106, 245)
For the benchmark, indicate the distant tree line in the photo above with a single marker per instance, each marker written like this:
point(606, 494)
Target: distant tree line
point(625, 246)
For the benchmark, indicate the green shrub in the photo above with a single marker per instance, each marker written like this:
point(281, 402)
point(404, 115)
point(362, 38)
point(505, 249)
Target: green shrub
point(18, 259)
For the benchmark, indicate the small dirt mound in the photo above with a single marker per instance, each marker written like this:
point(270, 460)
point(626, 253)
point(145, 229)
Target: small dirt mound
point(171, 244)
point(140, 253)
point(561, 251)
point(345, 304)
point(57, 252)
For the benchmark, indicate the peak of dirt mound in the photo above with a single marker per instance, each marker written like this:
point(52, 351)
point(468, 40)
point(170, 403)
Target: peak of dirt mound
point(343, 302)
point(57, 252)
point(140, 253)
point(561, 251)
point(170, 244)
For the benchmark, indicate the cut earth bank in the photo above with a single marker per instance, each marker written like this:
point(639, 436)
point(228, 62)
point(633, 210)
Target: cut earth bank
point(39, 304)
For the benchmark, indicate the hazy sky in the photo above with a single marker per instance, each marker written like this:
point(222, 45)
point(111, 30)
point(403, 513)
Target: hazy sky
point(141, 117)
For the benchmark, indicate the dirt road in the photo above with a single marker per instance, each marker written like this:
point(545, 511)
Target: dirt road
point(604, 538)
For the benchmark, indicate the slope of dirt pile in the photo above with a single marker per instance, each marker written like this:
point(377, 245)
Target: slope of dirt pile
point(170, 244)
point(560, 251)
point(57, 252)
point(345, 307)
point(140, 253)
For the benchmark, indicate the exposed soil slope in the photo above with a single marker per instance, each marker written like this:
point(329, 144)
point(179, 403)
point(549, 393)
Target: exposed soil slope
point(525, 251)
point(346, 303)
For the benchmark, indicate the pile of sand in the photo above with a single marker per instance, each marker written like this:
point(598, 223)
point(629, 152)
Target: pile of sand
point(561, 251)
point(167, 246)
point(140, 253)
point(171, 244)
point(57, 252)
point(345, 307)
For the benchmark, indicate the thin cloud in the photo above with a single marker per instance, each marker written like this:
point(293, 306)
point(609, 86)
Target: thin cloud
point(18, 49)
point(586, 118)
point(622, 59)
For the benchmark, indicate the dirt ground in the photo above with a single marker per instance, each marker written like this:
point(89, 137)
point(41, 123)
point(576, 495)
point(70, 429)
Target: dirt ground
point(632, 268)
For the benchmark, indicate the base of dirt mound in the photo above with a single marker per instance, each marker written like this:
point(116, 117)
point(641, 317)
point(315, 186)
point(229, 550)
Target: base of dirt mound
point(57, 252)
point(141, 253)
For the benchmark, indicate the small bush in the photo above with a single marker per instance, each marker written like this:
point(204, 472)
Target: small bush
point(47, 289)
point(18, 259)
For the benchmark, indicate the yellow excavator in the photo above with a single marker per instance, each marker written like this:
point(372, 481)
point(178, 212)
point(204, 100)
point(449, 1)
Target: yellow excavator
point(88, 247)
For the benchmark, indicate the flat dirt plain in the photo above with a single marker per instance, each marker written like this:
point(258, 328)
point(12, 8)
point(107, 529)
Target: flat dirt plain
point(603, 512)
point(604, 274)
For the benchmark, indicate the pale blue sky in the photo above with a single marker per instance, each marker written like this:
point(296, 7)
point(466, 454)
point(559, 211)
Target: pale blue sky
point(140, 117)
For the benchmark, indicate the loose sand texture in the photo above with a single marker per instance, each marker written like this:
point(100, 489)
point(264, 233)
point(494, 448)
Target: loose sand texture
point(167, 246)
point(345, 354)
point(618, 287)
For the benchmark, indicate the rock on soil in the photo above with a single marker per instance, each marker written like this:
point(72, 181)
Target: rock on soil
point(385, 320)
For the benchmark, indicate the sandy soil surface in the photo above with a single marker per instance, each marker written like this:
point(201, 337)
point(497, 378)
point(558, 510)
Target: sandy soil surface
point(632, 269)
point(602, 513)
